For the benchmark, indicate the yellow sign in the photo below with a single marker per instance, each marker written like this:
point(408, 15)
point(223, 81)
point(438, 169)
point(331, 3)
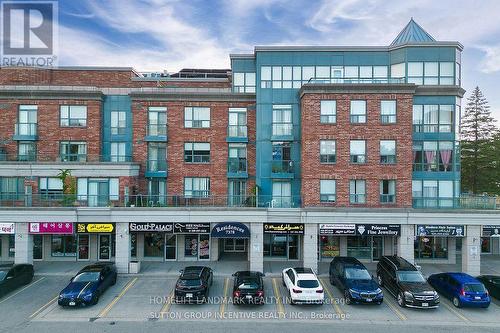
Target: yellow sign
point(95, 227)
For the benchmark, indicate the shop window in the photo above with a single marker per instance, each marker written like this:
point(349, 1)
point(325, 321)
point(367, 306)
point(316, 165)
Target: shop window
point(431, 247)
point(63, 246)
point(133, 245)
point(154, 245)
point(12, 246)
point(329, 246)
point(359, 247)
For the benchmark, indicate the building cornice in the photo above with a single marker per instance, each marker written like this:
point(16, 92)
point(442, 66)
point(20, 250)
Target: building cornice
point(440, 90)
point(222, 96)
point(52, 92)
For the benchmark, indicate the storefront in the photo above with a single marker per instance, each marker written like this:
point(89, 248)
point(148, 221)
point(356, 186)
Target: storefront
point(330, 236)
point(7, 231)
point(53, 240)
point(91, 234)
point(437, 242)
point(283, 241)
point(490, 239)
point(233, 240)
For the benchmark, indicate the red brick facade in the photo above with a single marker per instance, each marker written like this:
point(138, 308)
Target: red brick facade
point(343, 131)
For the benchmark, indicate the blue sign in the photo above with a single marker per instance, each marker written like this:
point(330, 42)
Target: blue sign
point(230, 230)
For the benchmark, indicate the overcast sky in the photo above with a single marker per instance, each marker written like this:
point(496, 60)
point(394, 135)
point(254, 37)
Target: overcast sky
point(157, 35)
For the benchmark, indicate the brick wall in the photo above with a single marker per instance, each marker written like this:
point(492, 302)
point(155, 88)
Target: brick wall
point(343, 131)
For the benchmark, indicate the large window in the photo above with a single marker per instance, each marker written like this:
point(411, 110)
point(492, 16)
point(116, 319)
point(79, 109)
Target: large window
point(73, 115)
point(432, 193)
point(388, 112)
point(157, 191)
point(328, 112)
point(431, 73)
point(118, 153)
point(118, 122)
point(281, 159)
point(358, 112)
point(357, 191)
point(63, 246)
point(387, 191)
point(11, 188)
point(73, 151)
point(157, 121)
point(433, 156)
point(431, 247)
point(98, 192)
point(433, 118)
point(197, 152)
point(387, 151)
point(327, 190)
point(358, 151)
point(51, 187)
point(196, 117)
point(26, 151)
point(197, 187)
point(282, 120)
point(237, 192)
point(327, 151)
point(282, 194)
point(237, 122)
point(27, 122)
point(244, 82)
point(157, 156)
point(154, 244)
point(398, 71)
point(237, 159)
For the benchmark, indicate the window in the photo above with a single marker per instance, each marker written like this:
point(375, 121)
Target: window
point(358, 112)
point(237, 159)
point(237, 192)
point(157, 156)
point(388, 112)
point(118, 153)
point(73, 151)
point(282, 120)
point(327, 190)
point(282, 194)
point(282, 160)
point(433, 156)
point(98, 192)
point(196, 117)
point(430, 73)
point(237, 123)
point(445, 118)
point(244, 82)
point(196, 187)
point(387, 151)
point(432, 193)
point(358, 151)
point(276, 77)
point(157, 191)
point(26, 151)
point(11, 188)
point(398, 71)
point(118, 122)
point(357, 191)
point(27, 122)
point(431, 247)
point(197, 152)
point(433, 118)
point(73, 115)
point(387, 191)
point(51, 187)
point(265, 77)
point(416, 72)
point(327, 151)
point(446, 73)
point(63, 246)
point(328, 112)
point(157, 121)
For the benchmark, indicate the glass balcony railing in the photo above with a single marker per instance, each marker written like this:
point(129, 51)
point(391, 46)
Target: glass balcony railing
point(237, 131)
point(357, 198)
point(387, 198)
point(236, 165)
point(382, 80)
point(26, 129)
point(282, 166)
point(156, 165)
point(282, 129)
point(157, 130)
point(73, 157)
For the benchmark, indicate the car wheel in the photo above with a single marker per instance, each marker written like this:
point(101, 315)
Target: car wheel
point(283, 281)
point(95, 300)
point(380, 281)
point(347, 297)
point(331, 281)
point(456, 302)
point(114, 281)
point(401, 300)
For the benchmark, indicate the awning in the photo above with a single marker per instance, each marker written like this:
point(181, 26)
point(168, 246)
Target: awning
point(230, 230)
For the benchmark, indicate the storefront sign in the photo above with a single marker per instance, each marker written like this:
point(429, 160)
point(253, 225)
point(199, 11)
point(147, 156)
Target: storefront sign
point(191, 228)
point(284, 228)
point(441, 230)
point(151, 227)
point(230, 230)
point(7, 228)
point(55, 228)
point(378, 229)
point(95, 227)
point(491, 230)
point(337, 229)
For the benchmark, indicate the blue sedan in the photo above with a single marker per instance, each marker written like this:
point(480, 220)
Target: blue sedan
point(88, 285)
point(462, 289)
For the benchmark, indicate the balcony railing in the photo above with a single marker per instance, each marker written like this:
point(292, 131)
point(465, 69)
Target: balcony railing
point(73, 158)
point(4, 157)
point(156, 165)
point(157, 130)
point(282, 166)
point(282, 129)
point(387, 198)
point(26, 129)
point(463, 202)
point(236, 165)
point(357, 198)
point(357, 80)
point(237, 131)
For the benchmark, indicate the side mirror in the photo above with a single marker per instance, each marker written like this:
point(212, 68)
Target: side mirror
point(181, 271)
point(234, 274)
point(262, 274)
point(418, 267)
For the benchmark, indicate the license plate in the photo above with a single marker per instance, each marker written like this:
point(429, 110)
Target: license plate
point(72, 303)
point(368, 299)
point(189, 295)
point(249, 296)
point(477, 297)
point(425, 304)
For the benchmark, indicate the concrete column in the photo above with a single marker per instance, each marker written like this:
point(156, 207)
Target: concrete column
point(406, 242)
point(256, 247)
point(495, 245)
point(343, 246)
point(310, 246)
point(23, 245)
point(122, 253)
point(388, 246)
point(452, 250)
point(471, 251)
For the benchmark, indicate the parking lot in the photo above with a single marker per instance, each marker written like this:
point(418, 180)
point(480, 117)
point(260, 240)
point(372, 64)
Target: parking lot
point(147, 299)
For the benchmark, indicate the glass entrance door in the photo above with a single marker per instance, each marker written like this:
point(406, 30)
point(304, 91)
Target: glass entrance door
point(377, 247)
point(104, 247)
point(170, 247)
point(37, 247)
point(83, 247)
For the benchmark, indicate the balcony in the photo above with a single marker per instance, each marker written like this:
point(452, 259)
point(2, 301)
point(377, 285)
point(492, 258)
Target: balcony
point(282, 132)
point(282, 169)
point(26, 132)
point(346, 80)
point(237, 167)
point(237, 133)
point(156, 133)
point(156, 168)
point(387, 198)
point(462, 202)
point(73, 158)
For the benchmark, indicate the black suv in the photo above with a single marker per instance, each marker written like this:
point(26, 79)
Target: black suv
point(405, 282)
point(14, 276)
point(194, 284)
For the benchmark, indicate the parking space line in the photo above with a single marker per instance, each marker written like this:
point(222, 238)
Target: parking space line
point(279, 305)
point(19, 291)
point(43, 307)
point(166, 307)
point(455, 312)
point(105, 311)
point(394, 309)
point(222, 307)
point(335, 306)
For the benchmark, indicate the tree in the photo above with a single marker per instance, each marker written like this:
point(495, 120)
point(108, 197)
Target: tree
point(478, 130)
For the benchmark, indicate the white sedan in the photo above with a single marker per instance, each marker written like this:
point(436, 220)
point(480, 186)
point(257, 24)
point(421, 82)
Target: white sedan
point(303, 286)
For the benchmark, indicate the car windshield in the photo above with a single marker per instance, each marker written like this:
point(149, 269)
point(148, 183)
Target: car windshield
point(495, 281)
point(187, 282)
point(248, 284)
point(87, 277)
point(410, 276)
point(2, 275)
point(307, 284)
point(474, 287)
point(353, 273)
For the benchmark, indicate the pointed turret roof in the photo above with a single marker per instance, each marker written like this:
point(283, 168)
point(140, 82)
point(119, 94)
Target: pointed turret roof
point(412, 33)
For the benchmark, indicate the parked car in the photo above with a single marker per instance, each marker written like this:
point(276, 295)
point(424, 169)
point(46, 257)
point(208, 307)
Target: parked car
point(87, 286)
point(405, 282)
point(462, 289)
point(248, 288)
point(303, 285)
point(14, 276)
point(193, 284)
point(492, 283)
point(352, 278)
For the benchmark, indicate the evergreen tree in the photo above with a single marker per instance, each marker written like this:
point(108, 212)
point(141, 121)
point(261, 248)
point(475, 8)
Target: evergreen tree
point(478, 130)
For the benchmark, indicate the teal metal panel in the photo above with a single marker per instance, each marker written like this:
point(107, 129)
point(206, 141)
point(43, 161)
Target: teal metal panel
point(116, 103)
